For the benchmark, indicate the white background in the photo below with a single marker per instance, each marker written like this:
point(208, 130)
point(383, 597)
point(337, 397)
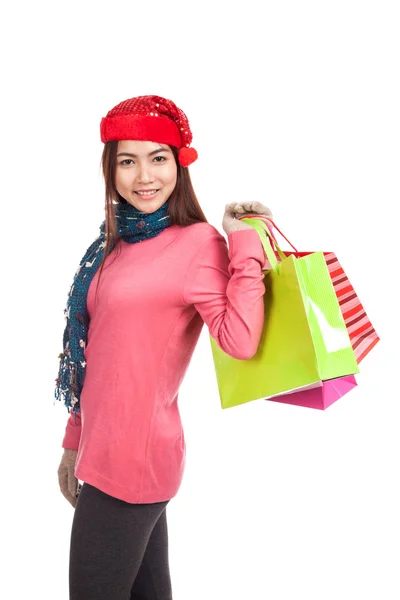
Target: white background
point(295, 105)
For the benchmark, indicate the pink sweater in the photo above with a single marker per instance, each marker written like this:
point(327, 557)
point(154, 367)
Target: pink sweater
point(152, 302)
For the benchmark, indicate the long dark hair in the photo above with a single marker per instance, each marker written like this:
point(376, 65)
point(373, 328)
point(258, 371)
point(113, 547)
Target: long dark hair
point(183, 207)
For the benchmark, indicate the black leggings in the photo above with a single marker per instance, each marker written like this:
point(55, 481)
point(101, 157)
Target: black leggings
point(119, 551)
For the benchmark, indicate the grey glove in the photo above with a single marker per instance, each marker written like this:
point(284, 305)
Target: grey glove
point(234, 210)
point(66, 476)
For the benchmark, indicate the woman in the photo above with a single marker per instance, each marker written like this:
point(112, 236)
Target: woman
point(157, 272)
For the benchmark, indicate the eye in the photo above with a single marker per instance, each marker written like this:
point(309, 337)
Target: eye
point(126, 161)
point(162, 158)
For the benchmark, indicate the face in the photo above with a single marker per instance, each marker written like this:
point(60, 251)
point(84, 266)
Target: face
point(145, 174)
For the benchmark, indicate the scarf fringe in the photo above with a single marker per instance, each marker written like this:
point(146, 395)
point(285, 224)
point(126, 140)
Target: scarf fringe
point(69, 382)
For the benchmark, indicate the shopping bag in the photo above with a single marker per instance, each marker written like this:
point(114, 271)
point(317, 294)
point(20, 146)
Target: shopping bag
point(362, 333)
point(319, 397)
point(304, 339)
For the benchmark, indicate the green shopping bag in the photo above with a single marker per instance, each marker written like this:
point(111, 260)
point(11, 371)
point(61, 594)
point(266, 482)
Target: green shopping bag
point(304, 340)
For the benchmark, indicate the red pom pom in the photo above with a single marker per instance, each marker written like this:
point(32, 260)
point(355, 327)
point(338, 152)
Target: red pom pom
point(187, 156)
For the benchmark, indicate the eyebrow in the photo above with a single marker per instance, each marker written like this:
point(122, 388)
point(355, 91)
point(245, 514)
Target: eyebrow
point(150, 153)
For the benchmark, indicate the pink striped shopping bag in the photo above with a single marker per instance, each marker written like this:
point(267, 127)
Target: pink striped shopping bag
point(362, 334)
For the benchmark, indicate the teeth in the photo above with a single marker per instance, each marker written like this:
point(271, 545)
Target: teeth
point(149, 193)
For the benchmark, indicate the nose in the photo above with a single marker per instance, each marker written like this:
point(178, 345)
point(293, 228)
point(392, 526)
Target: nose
point(145, 173)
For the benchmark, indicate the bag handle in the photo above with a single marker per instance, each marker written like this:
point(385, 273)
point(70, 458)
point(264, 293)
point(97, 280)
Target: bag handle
point(261, 228)
point(266, 219)
point(284, 237)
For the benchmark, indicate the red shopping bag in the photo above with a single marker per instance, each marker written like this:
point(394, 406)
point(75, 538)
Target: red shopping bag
point(362, 334)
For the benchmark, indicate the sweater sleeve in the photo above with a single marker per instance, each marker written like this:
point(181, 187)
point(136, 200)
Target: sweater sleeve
point(226, 286)
point(72, 432)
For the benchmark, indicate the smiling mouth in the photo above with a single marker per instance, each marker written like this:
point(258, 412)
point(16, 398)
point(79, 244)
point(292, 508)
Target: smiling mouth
point(146, 193)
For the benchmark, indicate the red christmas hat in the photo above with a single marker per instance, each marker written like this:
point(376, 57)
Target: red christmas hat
point(153, 119)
